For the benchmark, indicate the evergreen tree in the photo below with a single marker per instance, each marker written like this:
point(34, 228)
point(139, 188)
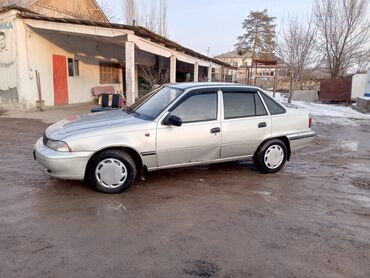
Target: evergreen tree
point(259, 33)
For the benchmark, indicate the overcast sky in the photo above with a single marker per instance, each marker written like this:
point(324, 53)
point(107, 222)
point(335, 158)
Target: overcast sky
point(199, 24)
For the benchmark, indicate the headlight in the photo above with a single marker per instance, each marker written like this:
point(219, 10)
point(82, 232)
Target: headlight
point(59, 146)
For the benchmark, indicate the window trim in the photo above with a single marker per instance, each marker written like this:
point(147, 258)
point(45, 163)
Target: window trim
point(164, 111)
point(74, 63)
point(193, 93)
point(280, 105)
point(247, 91)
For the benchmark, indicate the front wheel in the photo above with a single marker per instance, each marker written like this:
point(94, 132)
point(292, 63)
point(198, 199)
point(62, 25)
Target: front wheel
point(111, 171)
point(271, 156)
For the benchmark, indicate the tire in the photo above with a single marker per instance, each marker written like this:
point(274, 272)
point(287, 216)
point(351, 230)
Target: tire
point(271, 156)
point(111, 171)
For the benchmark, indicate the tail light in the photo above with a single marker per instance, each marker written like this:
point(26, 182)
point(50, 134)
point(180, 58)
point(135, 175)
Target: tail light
point(310, 122)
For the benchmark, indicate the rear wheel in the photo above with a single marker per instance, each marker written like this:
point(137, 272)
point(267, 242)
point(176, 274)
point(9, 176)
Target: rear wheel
point(271, 156)
point(111, 171)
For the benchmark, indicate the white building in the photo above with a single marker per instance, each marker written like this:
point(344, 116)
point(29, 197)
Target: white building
point(73, 55)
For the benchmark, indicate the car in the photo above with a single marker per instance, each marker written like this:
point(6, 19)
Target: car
point(176, 125)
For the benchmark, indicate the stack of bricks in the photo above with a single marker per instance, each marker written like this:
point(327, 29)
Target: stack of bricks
point(363, 105)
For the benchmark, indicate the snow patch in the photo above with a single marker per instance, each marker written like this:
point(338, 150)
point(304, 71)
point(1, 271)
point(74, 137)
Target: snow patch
point(327, 113)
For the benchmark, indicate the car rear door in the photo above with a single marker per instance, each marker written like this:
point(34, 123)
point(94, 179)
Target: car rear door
point(245, 122)
point(199, 137)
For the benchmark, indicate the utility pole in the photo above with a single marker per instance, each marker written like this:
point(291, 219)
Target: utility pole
point(208, 51)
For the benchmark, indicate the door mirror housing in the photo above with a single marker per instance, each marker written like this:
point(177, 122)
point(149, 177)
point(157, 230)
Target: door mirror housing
point(172, 120)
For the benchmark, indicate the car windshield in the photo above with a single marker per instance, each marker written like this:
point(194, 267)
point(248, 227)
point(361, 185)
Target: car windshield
point(152, 104)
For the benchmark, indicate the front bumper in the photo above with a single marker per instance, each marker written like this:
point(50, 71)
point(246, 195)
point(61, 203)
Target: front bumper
point(62, 165)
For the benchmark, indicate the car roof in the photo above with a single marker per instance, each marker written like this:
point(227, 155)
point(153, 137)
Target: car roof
point(199, 85)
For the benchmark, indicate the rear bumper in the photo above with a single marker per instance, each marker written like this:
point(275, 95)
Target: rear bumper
point(300, 140)
point(62, 165)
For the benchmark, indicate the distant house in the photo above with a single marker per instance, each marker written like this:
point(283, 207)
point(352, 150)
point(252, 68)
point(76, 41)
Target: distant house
point(83, 9)
point(61, 58)
point(259, 70)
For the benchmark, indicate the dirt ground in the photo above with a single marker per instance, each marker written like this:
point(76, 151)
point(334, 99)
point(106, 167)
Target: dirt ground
point(312, 219)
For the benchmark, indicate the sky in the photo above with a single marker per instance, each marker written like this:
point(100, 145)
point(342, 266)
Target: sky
point(215, 24)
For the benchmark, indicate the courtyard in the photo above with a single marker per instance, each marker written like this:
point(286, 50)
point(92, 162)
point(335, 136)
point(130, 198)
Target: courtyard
point(226, 220)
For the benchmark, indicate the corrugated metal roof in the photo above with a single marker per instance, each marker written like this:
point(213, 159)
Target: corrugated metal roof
point(138, 31)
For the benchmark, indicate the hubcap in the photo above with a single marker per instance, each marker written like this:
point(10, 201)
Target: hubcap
point(111, 173)
point(274, 156)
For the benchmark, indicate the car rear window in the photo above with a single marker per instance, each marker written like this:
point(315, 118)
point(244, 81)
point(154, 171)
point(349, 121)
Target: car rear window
point(274, 107)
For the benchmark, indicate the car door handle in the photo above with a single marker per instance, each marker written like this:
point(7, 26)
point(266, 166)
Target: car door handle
point(215, 130)
point(261, 125)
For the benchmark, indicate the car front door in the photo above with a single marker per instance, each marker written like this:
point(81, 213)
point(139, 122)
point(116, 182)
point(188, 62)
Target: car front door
point(245, 122)
point(198, 139)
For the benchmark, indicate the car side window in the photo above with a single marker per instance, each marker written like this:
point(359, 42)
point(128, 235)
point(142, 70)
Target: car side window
point(274, 107)
point(260, 108)
point(239, 104)
point(197, 107)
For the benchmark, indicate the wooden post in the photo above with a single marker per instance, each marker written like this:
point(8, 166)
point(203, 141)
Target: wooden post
point(210, 73)
point(196, 72)
point(130, 72)
point(275, 79)
point(173, 69)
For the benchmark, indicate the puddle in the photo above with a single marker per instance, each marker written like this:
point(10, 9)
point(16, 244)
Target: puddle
point(201, 268)
point(349, 145)
point(363, 183)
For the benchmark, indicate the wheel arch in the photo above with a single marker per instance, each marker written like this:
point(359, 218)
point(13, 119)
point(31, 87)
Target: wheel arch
point(285, 140)
point(130, 151)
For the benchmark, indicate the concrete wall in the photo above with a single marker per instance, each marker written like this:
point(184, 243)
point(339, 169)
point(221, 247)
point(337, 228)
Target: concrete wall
point(306, 95)
point(36, 49)
point(8, 55)
point(358, 85)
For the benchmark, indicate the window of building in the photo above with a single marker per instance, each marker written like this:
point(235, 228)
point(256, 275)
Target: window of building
point(77, 67)
point(274, 107)
point(242, 104)
point(73, 67)
point(109, 73)
point(198, 108)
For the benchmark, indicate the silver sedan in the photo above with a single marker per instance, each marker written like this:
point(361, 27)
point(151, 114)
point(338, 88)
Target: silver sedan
point(177, 125)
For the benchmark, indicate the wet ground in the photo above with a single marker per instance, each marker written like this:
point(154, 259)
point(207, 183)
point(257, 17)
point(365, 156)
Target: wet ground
point(312, 219)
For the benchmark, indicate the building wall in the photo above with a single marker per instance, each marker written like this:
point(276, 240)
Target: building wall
point(358, 85)
point(36, 54)
point(8, 54)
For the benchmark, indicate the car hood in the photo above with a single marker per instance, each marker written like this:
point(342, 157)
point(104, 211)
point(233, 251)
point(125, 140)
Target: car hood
point(93, 121)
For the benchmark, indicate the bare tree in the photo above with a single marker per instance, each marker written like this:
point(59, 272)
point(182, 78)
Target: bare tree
point(151, 16)
point(151, 22)
point(153, 76)
point(129, 9)
point(163, 28)
point(108, 10)
point(296, 46)
point(343, 33)
point(362, 60)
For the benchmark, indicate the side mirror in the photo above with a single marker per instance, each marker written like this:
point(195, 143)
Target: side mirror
point(172, 120)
